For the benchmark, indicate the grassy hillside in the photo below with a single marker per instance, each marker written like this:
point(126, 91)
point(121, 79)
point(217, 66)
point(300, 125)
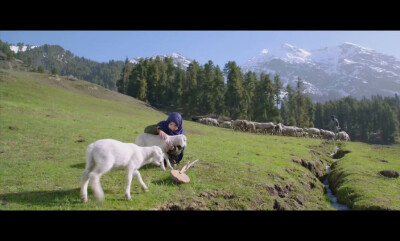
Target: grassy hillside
point(47, 123)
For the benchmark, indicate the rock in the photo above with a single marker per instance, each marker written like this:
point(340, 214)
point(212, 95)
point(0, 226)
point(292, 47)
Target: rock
point(389, 173)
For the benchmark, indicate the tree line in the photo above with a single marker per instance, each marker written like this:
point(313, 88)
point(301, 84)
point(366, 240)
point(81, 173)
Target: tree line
point(203, 90)
point(374, 120)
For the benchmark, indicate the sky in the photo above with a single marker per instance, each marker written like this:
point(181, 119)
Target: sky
point(202, 46)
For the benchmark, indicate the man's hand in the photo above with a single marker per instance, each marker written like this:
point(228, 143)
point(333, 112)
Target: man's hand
point(170, 146)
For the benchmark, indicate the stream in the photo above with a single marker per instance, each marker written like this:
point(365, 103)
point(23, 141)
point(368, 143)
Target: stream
point(331, 196)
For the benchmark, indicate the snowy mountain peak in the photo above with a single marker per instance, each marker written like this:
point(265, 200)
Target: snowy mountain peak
point(286, 52)
point(356, 45)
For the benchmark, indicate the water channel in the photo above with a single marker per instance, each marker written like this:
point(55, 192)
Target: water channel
point(331, 196)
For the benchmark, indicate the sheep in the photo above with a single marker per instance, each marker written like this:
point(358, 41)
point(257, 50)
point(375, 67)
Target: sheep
point(250, 126)
point(108, 154)
point(146, 139)
point(278, 128)
point(342, 136)
point(238, 124)
point(213, 122)
point(289, 131)
point(265, 127)
point(226, 124)
point(327, 134)
point(313, 132)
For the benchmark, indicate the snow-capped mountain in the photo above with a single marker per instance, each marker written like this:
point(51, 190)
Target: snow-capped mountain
point(177, 58)
point(21, 48)
point(331, 72)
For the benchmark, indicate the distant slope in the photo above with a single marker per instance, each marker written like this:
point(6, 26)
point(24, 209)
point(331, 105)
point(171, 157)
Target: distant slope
point(55, 57)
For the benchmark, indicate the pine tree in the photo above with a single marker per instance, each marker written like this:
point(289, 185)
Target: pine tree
point(206, 89)
point(278, 89)
point(234, 99)
point(219, 92)
point(180, 76)
point(250, 82)
point(190, 93)
point(55, 71)
point(261, 99)
point(319, 116)
point(40, 69)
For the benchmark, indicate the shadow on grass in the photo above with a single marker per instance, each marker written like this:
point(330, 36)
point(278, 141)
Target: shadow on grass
point(79, 166)
point(168, 181)
point(43, 198)
point(83, 165)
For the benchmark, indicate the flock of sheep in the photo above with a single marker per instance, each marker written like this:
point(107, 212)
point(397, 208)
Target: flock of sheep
point(276, 129)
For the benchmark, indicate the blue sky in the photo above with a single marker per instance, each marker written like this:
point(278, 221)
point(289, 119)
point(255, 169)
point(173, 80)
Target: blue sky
point(218, 46)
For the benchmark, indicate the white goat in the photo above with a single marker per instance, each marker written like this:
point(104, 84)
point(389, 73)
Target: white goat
point(107, 154)
point(146, 139)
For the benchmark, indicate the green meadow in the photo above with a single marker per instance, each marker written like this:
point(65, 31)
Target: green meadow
point(46, 123)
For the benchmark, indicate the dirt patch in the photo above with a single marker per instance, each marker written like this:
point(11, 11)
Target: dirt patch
point(181, 207)
point(80, 139)
point(317, 168)
point(279, 191)
point(389, 173)
point(296, 203)
point(200, 204)
point(279, 206)
point(216, 193)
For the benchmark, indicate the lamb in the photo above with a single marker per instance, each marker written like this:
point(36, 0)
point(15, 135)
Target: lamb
point(108, 154)
point(146, 139)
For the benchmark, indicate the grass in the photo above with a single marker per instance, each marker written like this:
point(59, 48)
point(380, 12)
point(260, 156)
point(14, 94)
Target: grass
point(358, 181)
point(41, 159)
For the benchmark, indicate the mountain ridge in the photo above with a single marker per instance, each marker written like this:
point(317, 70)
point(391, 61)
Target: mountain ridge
point(331, 72)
